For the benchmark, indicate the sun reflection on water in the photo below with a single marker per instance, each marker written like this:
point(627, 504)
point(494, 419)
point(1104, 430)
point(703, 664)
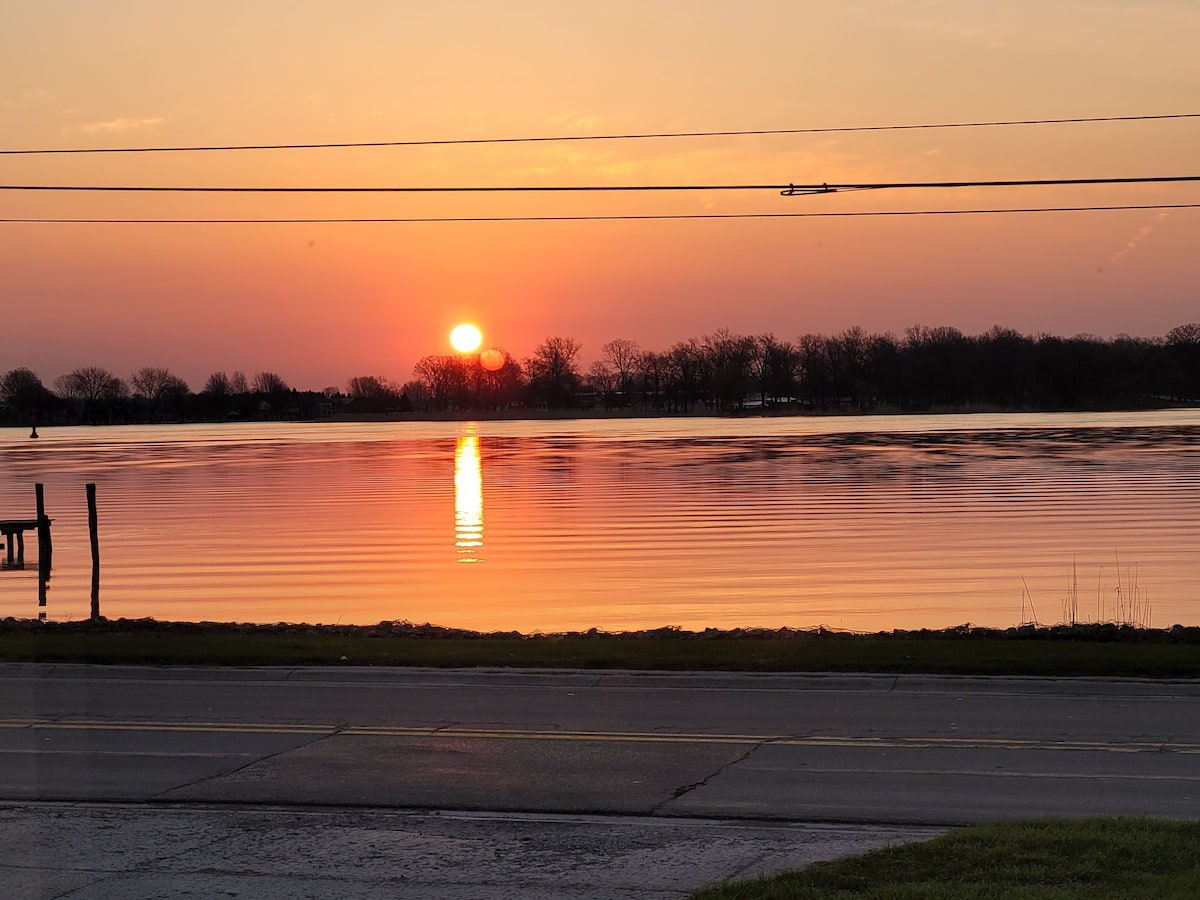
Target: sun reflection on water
point(468, 498)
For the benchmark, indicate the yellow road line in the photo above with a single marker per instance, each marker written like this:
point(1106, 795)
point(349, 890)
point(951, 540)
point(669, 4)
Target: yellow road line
point(815, 741)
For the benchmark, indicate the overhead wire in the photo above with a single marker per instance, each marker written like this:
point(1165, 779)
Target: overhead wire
point(632, 136)
point(790, 189)
point(596, 218)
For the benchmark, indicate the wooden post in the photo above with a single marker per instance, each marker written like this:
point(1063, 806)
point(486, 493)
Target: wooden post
point(45, 549)
point(94, 535)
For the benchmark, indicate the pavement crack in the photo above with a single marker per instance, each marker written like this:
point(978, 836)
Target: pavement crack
point(315, 739)
point(684, 789)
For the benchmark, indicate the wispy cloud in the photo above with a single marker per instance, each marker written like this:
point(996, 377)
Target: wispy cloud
point(120, 125)
point(1138, 236)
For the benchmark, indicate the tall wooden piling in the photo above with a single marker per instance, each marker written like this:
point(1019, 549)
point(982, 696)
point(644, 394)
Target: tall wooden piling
point(44, 549)
point(93, 534)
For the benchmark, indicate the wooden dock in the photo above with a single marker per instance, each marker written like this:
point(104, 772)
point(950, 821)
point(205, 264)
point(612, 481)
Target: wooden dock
point(13, 531)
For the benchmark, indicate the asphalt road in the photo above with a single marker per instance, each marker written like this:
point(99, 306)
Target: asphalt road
point(144, 782)
point(926, 750)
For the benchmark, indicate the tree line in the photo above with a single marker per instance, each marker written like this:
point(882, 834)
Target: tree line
point(925, 369)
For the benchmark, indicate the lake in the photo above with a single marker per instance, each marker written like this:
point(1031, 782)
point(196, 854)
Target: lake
point(859, 523)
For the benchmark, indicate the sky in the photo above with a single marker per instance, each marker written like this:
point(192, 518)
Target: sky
point(321, 303)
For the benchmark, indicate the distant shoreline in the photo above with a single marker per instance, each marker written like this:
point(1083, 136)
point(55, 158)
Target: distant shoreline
point(552, 415)
point(543, 415)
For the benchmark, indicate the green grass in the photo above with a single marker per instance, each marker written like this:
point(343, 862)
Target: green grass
point(1084, 650)
point(1053, 859)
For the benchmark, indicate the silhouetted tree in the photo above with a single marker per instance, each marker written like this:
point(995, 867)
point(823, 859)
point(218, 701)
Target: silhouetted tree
point(624, 356)
point(727, 360)
point(601, 380)
point(23, 390)
point(1003, 361)
point(414, 395)
point(651, 376)
point(552, 371)
point(159, 391)
point(1183, 342)
point(501, 387)
point(270, 383)
point(938, 368)
point(687, 381)
point(445, 379)
point(773, 367)
point(816, 380)
point(218, 385)
point(93, 388)
point(371, 393)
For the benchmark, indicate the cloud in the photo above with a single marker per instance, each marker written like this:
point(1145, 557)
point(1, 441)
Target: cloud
point(119, 125)
point(1138, 236)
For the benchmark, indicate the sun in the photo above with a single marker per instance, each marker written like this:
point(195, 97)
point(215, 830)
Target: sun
point(466, 338)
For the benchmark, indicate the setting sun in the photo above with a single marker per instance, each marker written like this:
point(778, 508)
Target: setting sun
point(465, 338)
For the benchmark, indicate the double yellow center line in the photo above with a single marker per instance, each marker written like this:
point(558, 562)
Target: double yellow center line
point(410, 733)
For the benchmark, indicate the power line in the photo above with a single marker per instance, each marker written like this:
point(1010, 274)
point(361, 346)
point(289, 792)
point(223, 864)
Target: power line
point(600, 137)
point(785, 189)
point(599, 218)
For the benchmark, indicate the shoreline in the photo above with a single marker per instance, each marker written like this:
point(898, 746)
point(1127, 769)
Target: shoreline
point(1097, 650)
point(520, 414)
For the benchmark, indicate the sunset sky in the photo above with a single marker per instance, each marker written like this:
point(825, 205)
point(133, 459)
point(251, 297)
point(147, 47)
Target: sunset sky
point(320, 303)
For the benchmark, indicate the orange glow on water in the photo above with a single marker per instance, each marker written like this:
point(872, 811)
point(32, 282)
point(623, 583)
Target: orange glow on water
point(861, 523)
point(468, 498)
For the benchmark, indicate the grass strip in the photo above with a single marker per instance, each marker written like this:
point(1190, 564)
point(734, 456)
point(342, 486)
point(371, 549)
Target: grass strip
point(1048, 859)
point(1074, 651)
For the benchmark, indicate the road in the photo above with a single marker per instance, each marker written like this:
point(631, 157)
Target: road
point(905, 752)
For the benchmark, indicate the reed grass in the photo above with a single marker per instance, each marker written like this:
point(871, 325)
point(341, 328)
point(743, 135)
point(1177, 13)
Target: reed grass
point(1125, 596)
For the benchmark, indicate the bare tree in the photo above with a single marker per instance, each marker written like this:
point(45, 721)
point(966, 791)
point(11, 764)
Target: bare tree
point(371, 393)
point(270, 383)
point(1183, 343)
point(623, 355)
point(774, 368)
point(552, 370)
point(237, 383)
point(686, 374)
point(445, 379)
point(729, 357)
point(601, 379)
point(90, 384)
point(415, 393)
point(217, 385)
point(369, 387)
point(500, 386)
point(157, 385)
point(92, 388)
point(651, 372)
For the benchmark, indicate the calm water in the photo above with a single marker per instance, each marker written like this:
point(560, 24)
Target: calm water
point(859, 523)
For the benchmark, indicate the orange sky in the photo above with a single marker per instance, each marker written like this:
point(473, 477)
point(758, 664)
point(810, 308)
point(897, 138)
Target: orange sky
point(321, 303)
